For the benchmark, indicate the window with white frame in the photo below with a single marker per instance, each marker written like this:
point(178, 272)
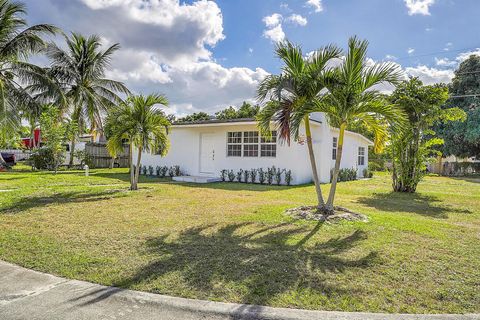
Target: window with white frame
point(251, 144)
point(334, 148)
point(234, 144)
point(268, 146)
point(361, 156)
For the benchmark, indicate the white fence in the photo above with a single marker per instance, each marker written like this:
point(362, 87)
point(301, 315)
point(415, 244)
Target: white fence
point(19, 154)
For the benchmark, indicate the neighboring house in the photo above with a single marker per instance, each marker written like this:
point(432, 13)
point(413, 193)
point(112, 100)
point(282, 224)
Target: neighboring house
point(207, 147)
point(453, 165)
point(37, 141)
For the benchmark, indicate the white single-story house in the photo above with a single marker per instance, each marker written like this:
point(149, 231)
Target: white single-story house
point(206, 148)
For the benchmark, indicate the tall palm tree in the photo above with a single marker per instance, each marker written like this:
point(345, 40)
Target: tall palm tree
point(292, 94)
point(144, 125)
point(80, 72)
point(17, 43)
point(352, 97)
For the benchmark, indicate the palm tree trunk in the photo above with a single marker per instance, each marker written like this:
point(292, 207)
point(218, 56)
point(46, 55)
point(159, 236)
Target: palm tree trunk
point(313, 163)
point(72, 151)
point(132, 167)
point(336, 170)
point(137, 169)
point(130, 156)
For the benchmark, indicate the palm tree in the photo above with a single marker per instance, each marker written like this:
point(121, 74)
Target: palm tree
point(292, 95)
point(352, 98)
point(17, 43)
point(80, 72)
point(143, 125)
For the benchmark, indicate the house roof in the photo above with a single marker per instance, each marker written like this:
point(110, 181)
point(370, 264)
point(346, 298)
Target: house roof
point(361, 136)
point(221, 121)
point(212, 121)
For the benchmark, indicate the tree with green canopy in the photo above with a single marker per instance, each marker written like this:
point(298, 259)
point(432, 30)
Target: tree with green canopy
point(194, 117)
point(18, 41)
point(79, 70)
point(288, 99)
point(139, 121)
point(462, 138)
point(246, 110)
point(412, 146)
point(352, 97)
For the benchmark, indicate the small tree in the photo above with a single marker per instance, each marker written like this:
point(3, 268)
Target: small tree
point(145, 126)
point(288, 99)
point(411, 147)
point(352, 98)
point(53, 134)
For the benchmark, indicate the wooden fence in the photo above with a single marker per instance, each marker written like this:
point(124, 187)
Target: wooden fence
point(102, 159)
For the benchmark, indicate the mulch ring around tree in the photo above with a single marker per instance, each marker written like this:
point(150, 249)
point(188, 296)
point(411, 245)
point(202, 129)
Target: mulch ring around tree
point(312, 213)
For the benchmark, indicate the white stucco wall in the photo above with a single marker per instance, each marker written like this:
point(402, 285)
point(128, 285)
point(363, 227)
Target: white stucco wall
point(186, 141)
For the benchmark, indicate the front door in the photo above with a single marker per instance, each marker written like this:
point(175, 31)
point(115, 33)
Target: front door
point(207, 153)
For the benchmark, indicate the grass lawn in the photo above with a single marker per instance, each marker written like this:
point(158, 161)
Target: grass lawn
point(419, 253)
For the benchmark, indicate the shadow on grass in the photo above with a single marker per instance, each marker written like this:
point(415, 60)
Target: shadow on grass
point(28, 202)
point(247, 262)
point(410, 202)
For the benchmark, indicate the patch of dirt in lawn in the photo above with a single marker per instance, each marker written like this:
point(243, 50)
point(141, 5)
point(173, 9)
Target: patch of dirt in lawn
point(312, 213)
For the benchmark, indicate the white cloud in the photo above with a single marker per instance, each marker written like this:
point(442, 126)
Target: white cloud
point(191, 87)
point(179, 32)
point(315, 4)
point(273, 20)
point(274, 29)
point(275, 34)
point(445, 62)
point(430, 75)
point(250, 50)
point(421, 7)
point(297, 19)
point(390, 57)
point(166, 48)
point(465, 55)
point(410, 50)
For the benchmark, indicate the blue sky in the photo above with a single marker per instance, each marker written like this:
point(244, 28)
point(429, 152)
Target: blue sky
point(206, 55)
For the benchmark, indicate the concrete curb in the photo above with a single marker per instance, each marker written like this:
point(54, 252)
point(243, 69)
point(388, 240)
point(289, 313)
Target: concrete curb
point(87, 298)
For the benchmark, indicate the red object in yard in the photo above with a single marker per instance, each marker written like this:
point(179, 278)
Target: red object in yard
point(29, 142)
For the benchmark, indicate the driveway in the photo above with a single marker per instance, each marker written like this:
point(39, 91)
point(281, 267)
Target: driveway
point(27, 294)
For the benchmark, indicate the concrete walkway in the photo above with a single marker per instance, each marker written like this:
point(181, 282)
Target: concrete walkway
point(27, 294)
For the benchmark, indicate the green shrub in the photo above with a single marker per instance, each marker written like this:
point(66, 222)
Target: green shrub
point(261, 176)
point(239, 175)
point(163, 171)
point(177, 170)
point(223, 174)
point(270, 174)
point(253, 175)
point(43, 159)
point(345, 174)
point(231, 176)
point(288, 177)
point(367, 173)
point(278, 176)
point(84, 158)
point(246, 174)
